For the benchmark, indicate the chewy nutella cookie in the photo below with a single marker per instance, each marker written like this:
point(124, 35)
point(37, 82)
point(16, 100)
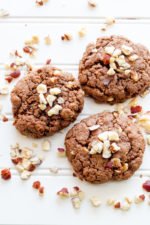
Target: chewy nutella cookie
point(114, 69)
point(45, 101)
point(106, 146)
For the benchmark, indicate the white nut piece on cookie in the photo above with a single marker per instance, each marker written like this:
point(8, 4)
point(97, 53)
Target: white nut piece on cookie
point(55, 91)
point(41, 89)
point(42, 99)
point(60, 100)
point(127, 50)
point(95, 201)
point(106, 154)
point(103, 136)
point(109, 49)
point(111, 72)
point(114, 147)
point(133, 57)
point(42, 106)
point(94, 127)
point(113, 136)
point(50, 99)
point(57, 72)
point(55, 110)
point(97, 147)
point(117, 52)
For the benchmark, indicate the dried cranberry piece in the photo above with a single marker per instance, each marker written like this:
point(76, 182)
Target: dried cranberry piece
point(146, 185)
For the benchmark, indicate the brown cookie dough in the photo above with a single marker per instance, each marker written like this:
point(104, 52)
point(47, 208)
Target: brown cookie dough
point(46, 101)
point(106, 146)
point(114, 69)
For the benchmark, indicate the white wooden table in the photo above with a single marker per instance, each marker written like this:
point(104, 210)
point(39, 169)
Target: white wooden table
point(19, 204)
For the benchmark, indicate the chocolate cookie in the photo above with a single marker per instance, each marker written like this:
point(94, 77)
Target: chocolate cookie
point(106, 146)
point(45, 101)
point(114, 69)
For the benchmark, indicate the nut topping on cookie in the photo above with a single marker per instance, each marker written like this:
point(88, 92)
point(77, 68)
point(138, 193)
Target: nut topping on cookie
point(55, 91)
point(50, 99)
point(126, 49)
point(41, 89)
point(55, 110)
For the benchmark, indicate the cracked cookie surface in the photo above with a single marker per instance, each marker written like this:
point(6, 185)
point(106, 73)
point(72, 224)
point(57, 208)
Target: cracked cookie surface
point(114, 69)
point(95, 166)
point(42, 111)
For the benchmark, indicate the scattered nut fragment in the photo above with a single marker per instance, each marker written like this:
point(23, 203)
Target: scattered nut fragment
point(92, 3)
point(46, 145)
point(63, 192)
point(4, 118)
point(54, 170)
point(110, 201)
point(110, 21)
point(76, 202)
point(36, 184)
point(95, 201)
point(144, 121)
point(5, 174)
point(103, 136)
point(139, 199)
point(29, 50)
point(25, 175)
point(4, 90)
point(41, 2)
point(94, 127)
point(66, 37)
point(116, 52)
point(41, 89)
point(113, 136)
point(82, 32)
point(48, 40)
point(3, 13)
point(61, 152)
point(106, 151)
point(134, 76)
point(128, 200)
point(125, 206)
point(34, 40)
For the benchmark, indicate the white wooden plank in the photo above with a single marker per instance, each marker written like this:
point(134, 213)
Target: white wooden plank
point(71, 8)
point(13, 36)
point(22, 205)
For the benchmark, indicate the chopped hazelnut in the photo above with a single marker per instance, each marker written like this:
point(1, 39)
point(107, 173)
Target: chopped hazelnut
point(82, 32)
point(66, 37)
point(76, 202)
point(111, 72)
point(109, 50)
point(110, 21)
point(92, 3)
point(133, 58)
point(94, 127)
point(48, 40)
point(50, 99)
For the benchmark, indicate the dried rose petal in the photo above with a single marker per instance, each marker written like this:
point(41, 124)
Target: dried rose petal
point(106, 59)
point(6, 174)
point(109, 165)
point(136, 109)
point(5, 119)
point(36, 184)
point(9, 79)
point(48, 61)
point(15, 74)
point(41, 190)
point(142, 197)
point(60, 149)
point(146, 185)
point(117, 205)
point(17, 160)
